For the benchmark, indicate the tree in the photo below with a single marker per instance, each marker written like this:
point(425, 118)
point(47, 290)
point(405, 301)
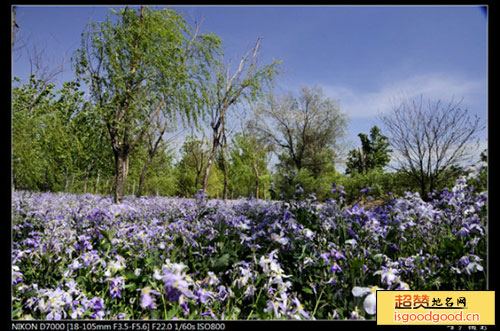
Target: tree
point(431, 139)
point(154, 138)
point(55, 138)
point(14, 26)
point(30, 104)
point(152, 176)
point(373, 153)
point(305, 129)
point(249, 174)
point(247, 83)
point(138, 65)
point(190, 168)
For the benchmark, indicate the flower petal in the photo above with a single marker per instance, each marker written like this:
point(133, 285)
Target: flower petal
point(370, 304)
point(360, 291)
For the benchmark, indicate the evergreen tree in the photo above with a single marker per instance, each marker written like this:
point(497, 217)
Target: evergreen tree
point(373, 153)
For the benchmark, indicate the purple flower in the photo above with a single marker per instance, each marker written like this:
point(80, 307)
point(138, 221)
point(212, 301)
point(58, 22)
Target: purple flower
point(393, 247)
point(272, 305)
point(54, 315)
point(336, 255)
point(115, 287)
point(223, 293)
point(464, 260)
point(299, 308)
point(363, 190)
point(17, 276)
point(185, 308)
point(204, 295)
point(97, 303)
point(148, 301)
point(209, 312)
point(388, 275)
point(337, 189)
point(335, 267)
point(325, 257)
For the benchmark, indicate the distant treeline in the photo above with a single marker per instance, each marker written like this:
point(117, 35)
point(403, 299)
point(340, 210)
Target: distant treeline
point(149, 76)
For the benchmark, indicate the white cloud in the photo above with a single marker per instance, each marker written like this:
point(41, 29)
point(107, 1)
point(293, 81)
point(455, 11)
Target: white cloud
point(361, 104)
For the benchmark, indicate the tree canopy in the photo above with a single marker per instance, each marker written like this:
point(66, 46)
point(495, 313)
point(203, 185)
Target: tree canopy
point(144, 77)
point(138, 65)
point(373, 153)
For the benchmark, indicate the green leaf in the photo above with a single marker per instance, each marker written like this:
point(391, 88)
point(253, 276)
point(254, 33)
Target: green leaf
point(173, 312)
point(132, 286)
point(16, 312)
point(131, 276)
point(221, 263)
point(356, 264)
point(307, 290)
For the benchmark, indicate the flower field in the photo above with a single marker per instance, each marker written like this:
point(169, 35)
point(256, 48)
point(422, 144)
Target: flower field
point(83, 257)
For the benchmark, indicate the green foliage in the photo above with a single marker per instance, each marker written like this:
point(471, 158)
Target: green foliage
point(381, 184)
point(190, 168)
point(147, 64)
point(480, 182)
point(160, 176)
point(248, 170)
point(305, 129)
point(374, 153)
point(55, 138)
point(303, 184)
point(141, 64)
point(194, 156)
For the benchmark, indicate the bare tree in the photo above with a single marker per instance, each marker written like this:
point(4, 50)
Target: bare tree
point(42, 72)
point(40, 68)
point(246, 83)
point(14, 26)
point(431, 139)
point(306, 129)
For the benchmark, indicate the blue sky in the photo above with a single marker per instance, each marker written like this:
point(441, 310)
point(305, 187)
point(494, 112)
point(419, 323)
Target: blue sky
point(364, 56)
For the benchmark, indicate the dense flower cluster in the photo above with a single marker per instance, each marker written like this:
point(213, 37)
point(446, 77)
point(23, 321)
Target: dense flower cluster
point(83, 257)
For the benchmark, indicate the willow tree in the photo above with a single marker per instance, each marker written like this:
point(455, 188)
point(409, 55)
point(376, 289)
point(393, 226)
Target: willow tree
point(139, 64)
point(246, 83)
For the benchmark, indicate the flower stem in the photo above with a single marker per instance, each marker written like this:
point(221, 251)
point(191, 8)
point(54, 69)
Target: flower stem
point(164, 306)
point(256, 302)
point(317, 301)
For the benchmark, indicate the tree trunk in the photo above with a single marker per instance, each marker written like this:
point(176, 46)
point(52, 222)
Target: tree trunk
point(224, 170)
point(207, 174)
point(142, 178)
point(210, 162)
point(423, 189)
point(14, 25)
point(224, 165)
point(121, 165)
point(197, 180)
